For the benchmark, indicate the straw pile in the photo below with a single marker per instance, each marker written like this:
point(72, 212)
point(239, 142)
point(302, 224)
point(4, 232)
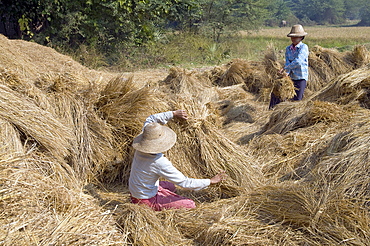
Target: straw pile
point(234, 104)
point(298, 175)
point(327, 64)
point(240, 71)
point(181, 81)
point(29, 60)
point(200, 134)
point(330, 194)
point(230, 222)
point(352, 87)
point(236, 73)
point(35, 209)
point(216, 153)
point(143, 227)
point(52, 144)
point(124, 107)
point(283, 88)
point(359, 56)
point(306, 114)
point(294, 131)
point(35, 123)
point(322, 214)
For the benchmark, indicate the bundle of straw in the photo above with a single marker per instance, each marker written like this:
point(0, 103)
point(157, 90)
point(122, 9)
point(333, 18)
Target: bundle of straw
point(325, 112)
point(36, 123)
point(349, 88)
point(285, 118)
point(281, 154)
point(230, 222)
point(234, 104)
point(215, 74)
point(125, 107)
point(61, 82)
point(182, 81)
point(10, 139)
point(237, 71)
point(271, 62)
point(359, 56)
point(333, 59)
point(202, 151)
point(325, 65)
point(321, 211)
point(35, 209)
point(306, 114)
point(346, 163)
point(283, 88)
point(290, 140)
point(142, 226)
point(257, 79)
point(27, 88)
point(319, 73)
point(92, 146)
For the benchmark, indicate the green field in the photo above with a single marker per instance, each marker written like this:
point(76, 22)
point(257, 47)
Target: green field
point(195, 50)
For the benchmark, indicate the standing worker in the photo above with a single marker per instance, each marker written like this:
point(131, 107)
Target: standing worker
point(149, 164)
point(296, 64)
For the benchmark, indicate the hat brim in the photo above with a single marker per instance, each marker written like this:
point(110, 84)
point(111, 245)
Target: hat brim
point(164, 143)
point(297, 35)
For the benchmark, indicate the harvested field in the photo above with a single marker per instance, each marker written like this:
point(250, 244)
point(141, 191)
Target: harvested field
point(298, 174)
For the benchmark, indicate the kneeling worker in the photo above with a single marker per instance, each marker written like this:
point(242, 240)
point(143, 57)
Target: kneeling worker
point(149, 164)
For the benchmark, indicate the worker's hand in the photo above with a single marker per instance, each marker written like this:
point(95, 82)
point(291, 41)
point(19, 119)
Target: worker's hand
point(180, 114)
point(283, 73)
point(219, 177)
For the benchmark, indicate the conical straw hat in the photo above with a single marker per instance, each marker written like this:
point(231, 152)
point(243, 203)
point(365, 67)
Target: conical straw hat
point(297, 31)
point(154, 139)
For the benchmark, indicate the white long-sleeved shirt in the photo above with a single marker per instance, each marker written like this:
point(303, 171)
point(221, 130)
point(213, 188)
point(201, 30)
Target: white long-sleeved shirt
point(146, 169)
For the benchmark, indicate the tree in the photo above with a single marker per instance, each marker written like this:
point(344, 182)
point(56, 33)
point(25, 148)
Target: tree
point(320, 11)
point(278, 11)
point(95, 22)
point(365, 14)
point(21, 17)
point(235, 14)
point(353, 8)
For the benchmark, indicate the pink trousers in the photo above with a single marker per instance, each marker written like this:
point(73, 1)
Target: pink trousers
point(166, 198)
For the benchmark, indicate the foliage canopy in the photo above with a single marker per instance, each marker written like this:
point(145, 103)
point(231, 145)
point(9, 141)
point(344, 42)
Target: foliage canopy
point(110, 25)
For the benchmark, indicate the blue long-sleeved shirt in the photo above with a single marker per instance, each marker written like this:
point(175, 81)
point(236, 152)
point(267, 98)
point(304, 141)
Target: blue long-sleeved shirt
point(296, 61)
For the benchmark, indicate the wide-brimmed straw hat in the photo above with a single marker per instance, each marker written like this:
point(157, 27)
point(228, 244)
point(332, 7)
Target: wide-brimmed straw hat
point(297, 31)
point(155, 138)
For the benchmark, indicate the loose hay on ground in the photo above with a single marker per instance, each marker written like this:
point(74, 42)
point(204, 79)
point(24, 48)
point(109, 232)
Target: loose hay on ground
point(144, 227)
point(319, 210)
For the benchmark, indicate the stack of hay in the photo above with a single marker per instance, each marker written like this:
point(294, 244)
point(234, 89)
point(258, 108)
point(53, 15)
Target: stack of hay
point(281, 86)
point(53, 143)
point(201, 150)
point(329, 202)
point(240, 71)
point(349, 88)
point(327, 64)
point(301, 178)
